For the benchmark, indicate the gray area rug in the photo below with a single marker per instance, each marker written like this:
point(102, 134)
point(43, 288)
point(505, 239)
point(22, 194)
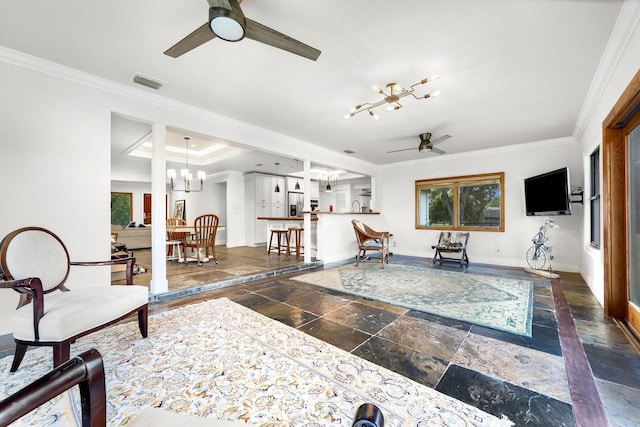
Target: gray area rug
point(494, 302)
point(220, 360)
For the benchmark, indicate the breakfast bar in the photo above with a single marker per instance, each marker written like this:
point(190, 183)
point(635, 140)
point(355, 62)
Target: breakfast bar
point(332, 238)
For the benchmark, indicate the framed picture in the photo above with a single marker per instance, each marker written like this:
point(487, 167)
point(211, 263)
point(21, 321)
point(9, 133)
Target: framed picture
point(178, 210)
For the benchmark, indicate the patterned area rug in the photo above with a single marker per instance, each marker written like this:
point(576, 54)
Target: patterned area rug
point(221, 360)
point(494, 302)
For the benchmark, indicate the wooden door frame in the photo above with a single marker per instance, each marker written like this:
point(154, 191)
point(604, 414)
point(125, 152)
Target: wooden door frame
point(614, 191)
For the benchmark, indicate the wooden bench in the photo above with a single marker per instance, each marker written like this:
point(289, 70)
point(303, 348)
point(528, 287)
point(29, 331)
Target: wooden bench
point(451, 243)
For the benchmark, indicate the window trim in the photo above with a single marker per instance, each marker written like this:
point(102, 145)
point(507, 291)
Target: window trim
point(594, 197)
point(455, 182)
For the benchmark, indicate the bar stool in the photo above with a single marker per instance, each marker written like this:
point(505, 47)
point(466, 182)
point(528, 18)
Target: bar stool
point(298, 248)
point(282, 237)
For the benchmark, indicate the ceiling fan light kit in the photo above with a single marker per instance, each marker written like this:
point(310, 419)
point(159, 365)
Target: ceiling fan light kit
point(226, 20)
point(392, 95)
point(426, 144)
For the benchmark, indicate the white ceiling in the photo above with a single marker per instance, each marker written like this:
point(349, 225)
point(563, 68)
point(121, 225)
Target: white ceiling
point(511, 71)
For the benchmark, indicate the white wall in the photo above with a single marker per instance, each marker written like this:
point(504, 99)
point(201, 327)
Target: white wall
point(619, 64)
point(55, 141)
point(395, 195)
point(55, 151)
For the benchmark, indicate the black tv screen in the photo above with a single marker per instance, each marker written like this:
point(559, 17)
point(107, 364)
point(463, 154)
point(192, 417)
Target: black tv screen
point(548, 193)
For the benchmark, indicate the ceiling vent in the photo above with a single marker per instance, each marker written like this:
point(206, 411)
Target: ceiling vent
point(148, 81)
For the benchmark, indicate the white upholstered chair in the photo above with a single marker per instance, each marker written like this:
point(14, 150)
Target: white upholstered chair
point(35, 263)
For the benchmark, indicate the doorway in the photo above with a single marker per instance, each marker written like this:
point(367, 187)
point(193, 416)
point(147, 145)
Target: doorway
point(621, 222)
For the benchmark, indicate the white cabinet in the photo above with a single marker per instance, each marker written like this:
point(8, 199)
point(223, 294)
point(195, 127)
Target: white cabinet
point(261, 200)
point(314, 191)
point(263, 188)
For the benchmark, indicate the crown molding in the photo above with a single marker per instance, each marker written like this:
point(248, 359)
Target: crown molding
point(268, 141)
point(627, 23)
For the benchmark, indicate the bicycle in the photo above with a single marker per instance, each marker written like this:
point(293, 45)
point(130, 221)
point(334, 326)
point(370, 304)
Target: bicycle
point(539, 254)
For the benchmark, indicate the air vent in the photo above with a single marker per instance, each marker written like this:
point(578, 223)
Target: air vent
point(148, 81)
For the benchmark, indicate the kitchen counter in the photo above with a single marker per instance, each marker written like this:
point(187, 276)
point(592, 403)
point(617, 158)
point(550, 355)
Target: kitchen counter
point(284, 218)
point(344, 213)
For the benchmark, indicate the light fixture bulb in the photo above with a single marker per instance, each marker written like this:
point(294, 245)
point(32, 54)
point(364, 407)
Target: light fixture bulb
point(202, 175)
point(374, 115)
point(184, 172)
point(227, 29)
point(171, 173)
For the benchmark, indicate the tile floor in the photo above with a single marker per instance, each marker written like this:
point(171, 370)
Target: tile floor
point(528, 380)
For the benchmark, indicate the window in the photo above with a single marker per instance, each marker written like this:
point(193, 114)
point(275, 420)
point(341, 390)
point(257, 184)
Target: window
point(594, 200)
point(121, 208)
point(474, 202)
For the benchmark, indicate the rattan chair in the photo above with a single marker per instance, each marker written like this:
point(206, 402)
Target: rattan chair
point(371, 240)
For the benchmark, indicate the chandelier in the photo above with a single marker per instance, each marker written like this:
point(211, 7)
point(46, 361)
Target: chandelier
point(186, 175)
point(392, 95)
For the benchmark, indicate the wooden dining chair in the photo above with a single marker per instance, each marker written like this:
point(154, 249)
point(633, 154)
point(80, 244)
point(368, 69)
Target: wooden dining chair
point(175, 238)
point(204, 237)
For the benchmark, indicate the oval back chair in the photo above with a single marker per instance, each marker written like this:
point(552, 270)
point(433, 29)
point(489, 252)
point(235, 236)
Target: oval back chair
point(36, 264)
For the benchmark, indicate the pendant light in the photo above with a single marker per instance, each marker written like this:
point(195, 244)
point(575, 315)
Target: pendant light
point(277, 189)
point(297, 187)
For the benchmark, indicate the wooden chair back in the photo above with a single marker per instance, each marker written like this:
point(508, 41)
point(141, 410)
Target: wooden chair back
point(176, 235)
point(35, 252)
point(85, 370)
point(205, 228)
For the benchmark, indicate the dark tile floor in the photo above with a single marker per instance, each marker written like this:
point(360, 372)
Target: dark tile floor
point(525, 379)
point(522, 378)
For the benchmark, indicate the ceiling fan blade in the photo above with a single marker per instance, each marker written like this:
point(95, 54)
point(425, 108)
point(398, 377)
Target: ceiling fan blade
point(266, 35)
point(441, 139)
point(192, 41)
point(404, 149)
point(437, 150)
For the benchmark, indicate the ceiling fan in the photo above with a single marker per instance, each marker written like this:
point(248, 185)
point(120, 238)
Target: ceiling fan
point(226, 21)
point(426, 144)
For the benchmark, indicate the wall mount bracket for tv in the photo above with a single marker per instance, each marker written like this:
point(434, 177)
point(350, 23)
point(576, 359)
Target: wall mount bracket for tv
point(577, 192)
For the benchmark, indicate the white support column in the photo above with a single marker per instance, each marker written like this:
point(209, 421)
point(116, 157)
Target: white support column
point(307, 208)
point(158, 283)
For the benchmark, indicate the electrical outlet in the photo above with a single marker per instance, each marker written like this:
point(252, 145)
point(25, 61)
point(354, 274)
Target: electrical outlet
point(394, 244)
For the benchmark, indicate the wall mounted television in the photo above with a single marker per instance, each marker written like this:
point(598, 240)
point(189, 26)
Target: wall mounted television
point(548, 193)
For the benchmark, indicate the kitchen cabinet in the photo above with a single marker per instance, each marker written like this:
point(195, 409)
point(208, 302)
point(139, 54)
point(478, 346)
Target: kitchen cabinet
point(314, 191)
point(261, 200)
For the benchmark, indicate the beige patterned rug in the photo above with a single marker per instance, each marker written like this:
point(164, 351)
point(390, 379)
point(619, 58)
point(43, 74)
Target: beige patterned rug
point(221, 360)
point(494, 302)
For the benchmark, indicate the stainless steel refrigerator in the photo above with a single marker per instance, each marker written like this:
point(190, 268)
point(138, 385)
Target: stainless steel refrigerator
point(296, 203)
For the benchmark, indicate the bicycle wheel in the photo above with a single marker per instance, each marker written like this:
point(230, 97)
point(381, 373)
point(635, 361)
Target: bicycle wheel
point(536, 257)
